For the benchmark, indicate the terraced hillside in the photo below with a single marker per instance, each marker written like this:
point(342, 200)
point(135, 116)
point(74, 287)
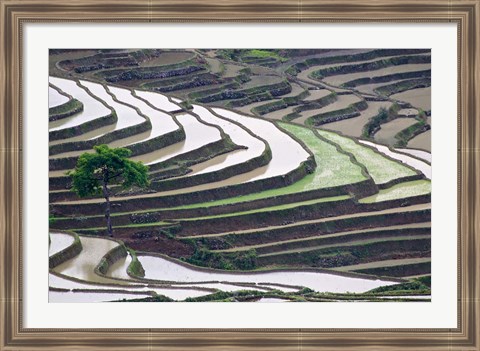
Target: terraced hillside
point(276, 175)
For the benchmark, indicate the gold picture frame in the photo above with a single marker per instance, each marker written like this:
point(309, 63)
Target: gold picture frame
point(15, 14)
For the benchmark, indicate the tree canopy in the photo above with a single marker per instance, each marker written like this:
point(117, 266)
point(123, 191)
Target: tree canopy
point(95, 171)
point(110, 165)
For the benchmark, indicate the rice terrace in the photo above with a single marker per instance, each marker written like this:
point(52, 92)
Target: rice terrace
point(239, 175)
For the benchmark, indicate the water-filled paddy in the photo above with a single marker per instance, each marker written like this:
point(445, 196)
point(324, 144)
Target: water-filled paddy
point(255, 147)
point(83, 266)
point(197, 135)
point(421, 141)
point(127, 116)
point(55, 98)
point(128, 287)
point(158, 100)
point(306, 74)
point(92, 108)
point(387, 132)
point(59, 241)
point(420, 97)
point(343, 101)
point(162, 123)
point(158, 268)
point(93, 296)
point(338, 80)
point(167, 58)
point(316, 94)
point(279, 114)
point(354, 126)
point(248, 108)
point(370, 88)
point(287, 154)
point(424, 155)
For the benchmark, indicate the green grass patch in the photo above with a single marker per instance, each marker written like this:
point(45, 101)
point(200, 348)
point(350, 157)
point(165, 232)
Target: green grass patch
point(400, 191)
point(333, 169)
point(381, 169)
point(275, 208)
point(137, 225)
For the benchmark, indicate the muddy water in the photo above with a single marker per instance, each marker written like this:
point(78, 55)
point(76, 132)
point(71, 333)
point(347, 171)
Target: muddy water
point(342, 102)
point(260, 81)
point(119, 268)
point(92, 108)
point(296, 90)
point(232, 70)
point(167, 58)
point(162, 123)
point(161, 269)
point(127, 116)
point(354, 126)
point(197, 135)
point(304, 75)
point(255, 147)
point(387, 132)
point(420, 98)
point(424, 155)
point(55, 98)
point(248, 108)
point(338, 80)
point(370, 88)
point(59, 241)
point(422, 141)
point(159, 101)
point(287, 154)
point(83, 265)
point(423, 167)
point(279, 114)
point(317, 94)
point(86, 136)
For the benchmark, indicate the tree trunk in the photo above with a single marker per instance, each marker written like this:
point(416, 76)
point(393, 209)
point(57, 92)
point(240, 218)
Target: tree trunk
point(106, 195)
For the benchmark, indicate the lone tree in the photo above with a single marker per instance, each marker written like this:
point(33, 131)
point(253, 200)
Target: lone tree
point(95, 171)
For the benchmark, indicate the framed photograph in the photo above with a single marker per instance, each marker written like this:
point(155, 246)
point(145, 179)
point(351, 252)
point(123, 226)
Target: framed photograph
point(244, 176)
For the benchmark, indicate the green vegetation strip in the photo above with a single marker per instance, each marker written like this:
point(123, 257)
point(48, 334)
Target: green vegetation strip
point(347, 244)
point(334, 169)
point(400, 191)
point(390, 89)
point(405, 135)
point(370, 55)
point(379, 167)
point(370, 66)
point(382, 117)
point(137, 225)
point(309, 241)
point(274, 208)
point(67, 109)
